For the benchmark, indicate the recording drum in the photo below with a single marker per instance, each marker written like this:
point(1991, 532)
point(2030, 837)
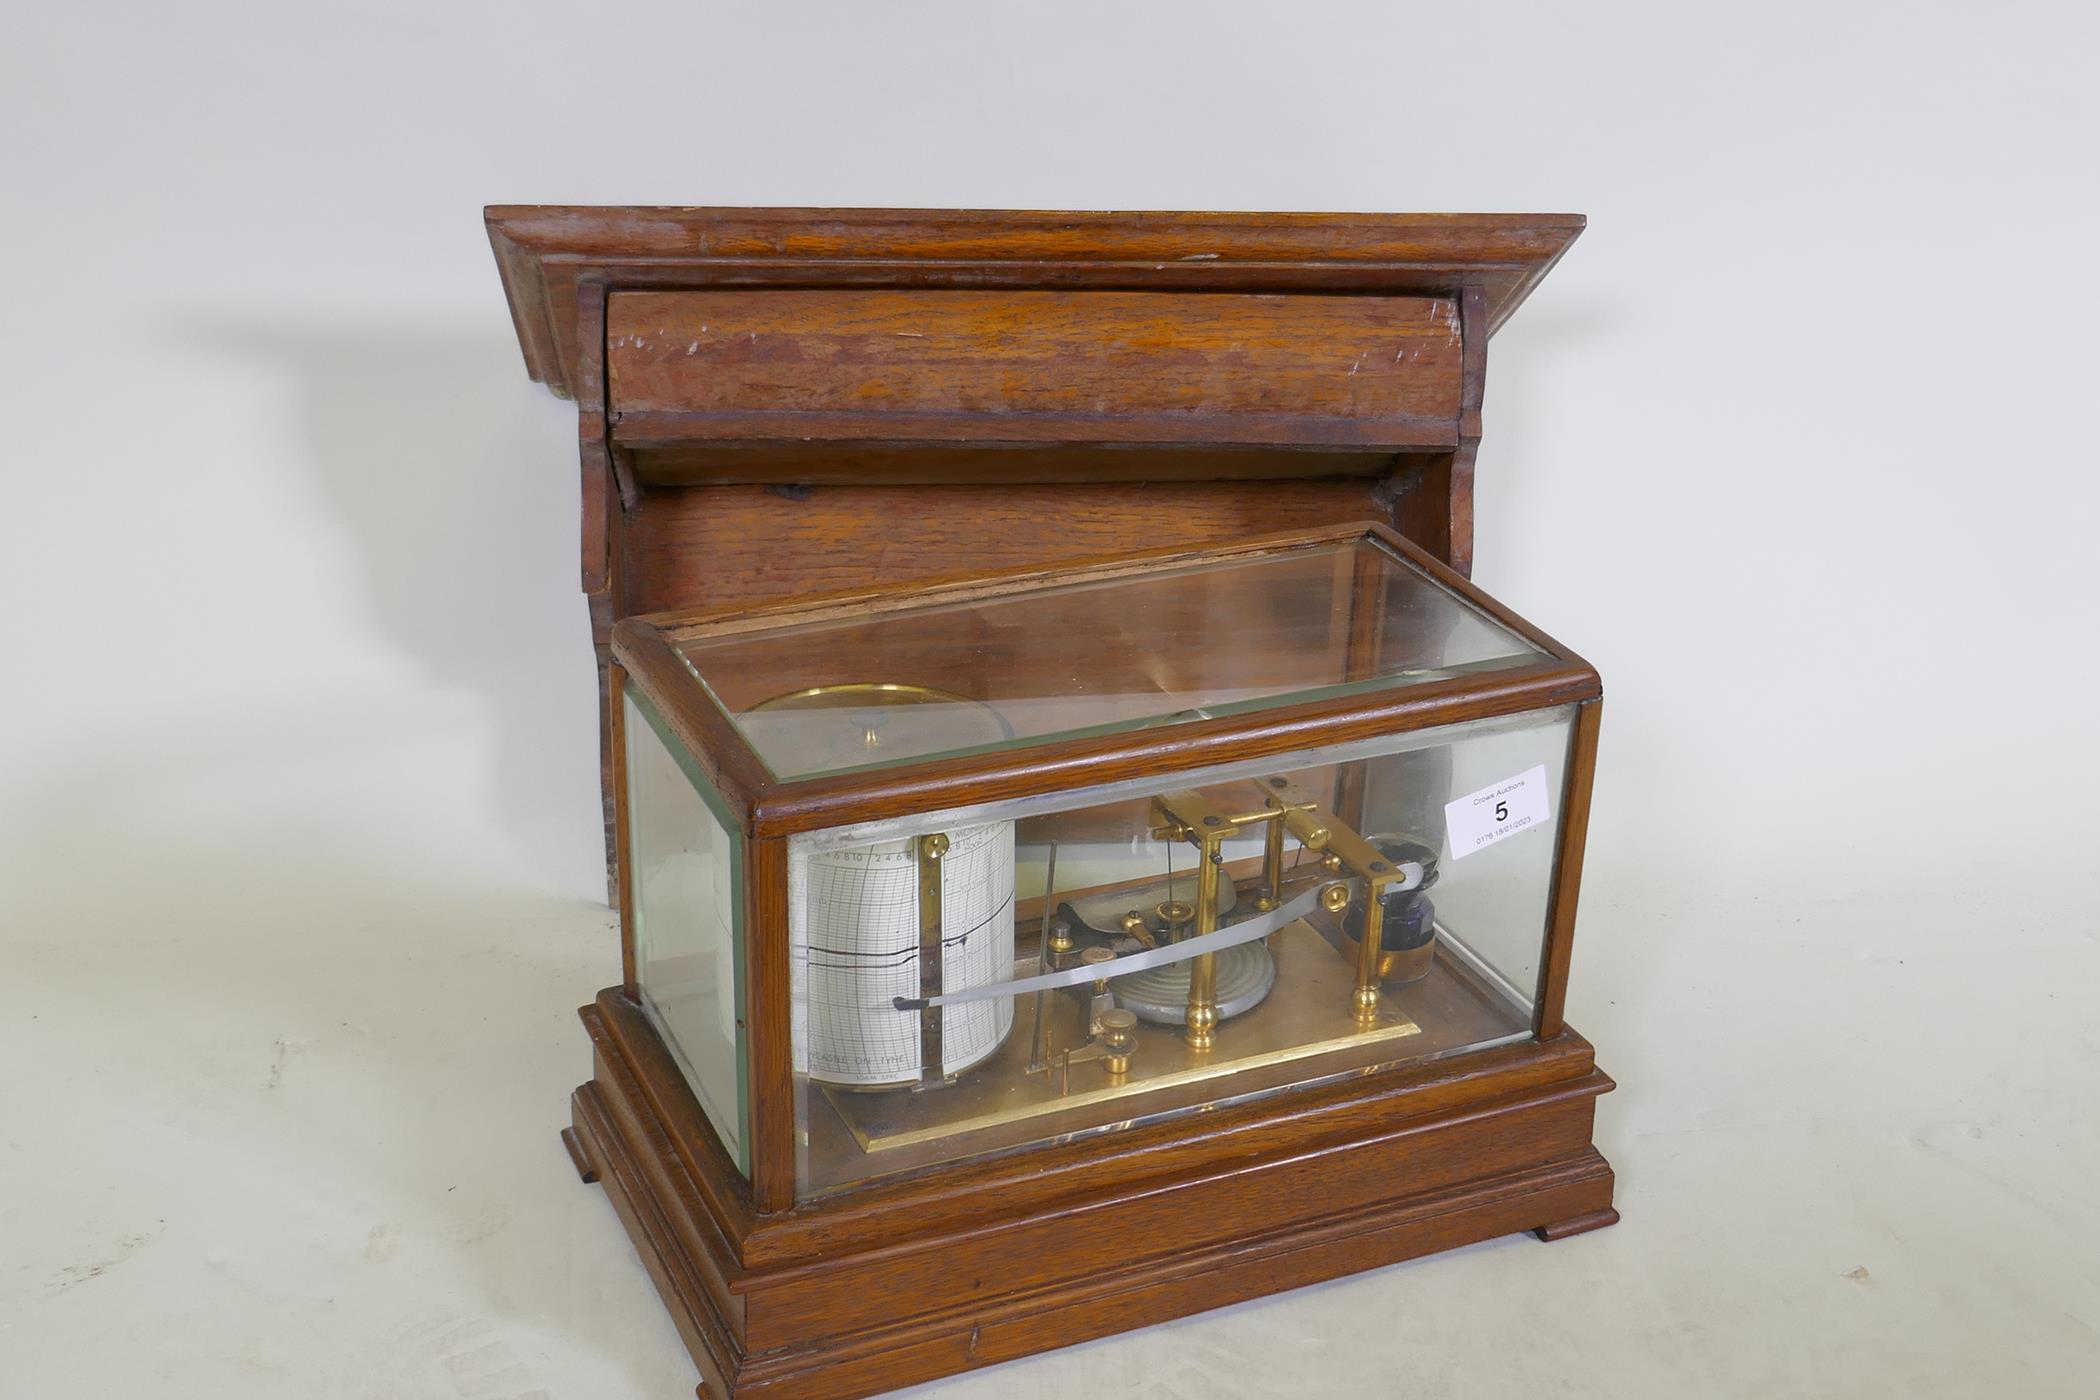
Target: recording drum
point(855, 934)
point(856, 950)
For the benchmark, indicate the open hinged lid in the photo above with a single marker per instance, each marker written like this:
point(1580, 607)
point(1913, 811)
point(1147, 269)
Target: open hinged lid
point(857, 708)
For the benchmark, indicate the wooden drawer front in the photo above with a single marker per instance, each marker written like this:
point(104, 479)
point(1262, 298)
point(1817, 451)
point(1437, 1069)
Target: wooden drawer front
point(1111, 368)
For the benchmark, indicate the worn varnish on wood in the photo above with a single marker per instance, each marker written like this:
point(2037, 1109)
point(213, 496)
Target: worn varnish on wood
point(707, 385)
point(548, 254)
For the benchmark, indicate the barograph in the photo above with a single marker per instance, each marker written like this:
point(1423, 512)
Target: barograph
point(1085, 850)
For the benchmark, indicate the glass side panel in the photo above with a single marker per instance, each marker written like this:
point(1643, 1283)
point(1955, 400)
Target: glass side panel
point(920, 1038)
point(1157, 647)
point(685, 884)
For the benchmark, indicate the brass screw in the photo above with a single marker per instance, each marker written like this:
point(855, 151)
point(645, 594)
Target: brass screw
point(1334, 898)
point(936, 846)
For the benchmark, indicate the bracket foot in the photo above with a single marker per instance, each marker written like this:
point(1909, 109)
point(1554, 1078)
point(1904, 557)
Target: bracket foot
point(1578, 1224)
point(583, 1165)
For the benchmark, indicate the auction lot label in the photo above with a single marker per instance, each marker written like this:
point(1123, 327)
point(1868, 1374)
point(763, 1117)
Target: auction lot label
point(1480, 819)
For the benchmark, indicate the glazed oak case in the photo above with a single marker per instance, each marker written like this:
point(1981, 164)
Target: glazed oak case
point(1085, 851)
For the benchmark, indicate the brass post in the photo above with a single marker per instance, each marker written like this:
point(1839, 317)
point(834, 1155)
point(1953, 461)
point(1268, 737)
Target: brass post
point(1189, 816)
point(1372, 949)
point(1272, 863)
point(1202, 1014)
point(930, 849)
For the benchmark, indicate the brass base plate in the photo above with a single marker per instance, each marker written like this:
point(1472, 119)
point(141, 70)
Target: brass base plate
point(1309, 1012)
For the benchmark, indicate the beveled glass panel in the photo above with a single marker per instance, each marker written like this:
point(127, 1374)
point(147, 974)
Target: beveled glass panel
point(1161, 646)
point(924, 1033)
point(685, 871)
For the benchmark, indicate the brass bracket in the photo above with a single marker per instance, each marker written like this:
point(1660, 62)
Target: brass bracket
point(1191, 817)
point(1194, 819)
point(1318, 829)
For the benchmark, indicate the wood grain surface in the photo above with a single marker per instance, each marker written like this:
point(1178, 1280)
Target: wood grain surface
point(1018, 1255)
point(851, 366)
point(656, 536)
point(542, 252)
point(726, 546)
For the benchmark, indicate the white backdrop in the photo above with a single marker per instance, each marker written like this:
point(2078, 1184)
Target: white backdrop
point(298, 808)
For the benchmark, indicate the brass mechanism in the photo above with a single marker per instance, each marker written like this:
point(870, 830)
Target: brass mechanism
point(1115, 1042)
point(1134, 924)
point(1350, 867)
point(1119, 1040)
point(1190, 816)
point(1346, 850)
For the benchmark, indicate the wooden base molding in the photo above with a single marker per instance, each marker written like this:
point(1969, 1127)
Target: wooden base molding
point(842, 1298)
